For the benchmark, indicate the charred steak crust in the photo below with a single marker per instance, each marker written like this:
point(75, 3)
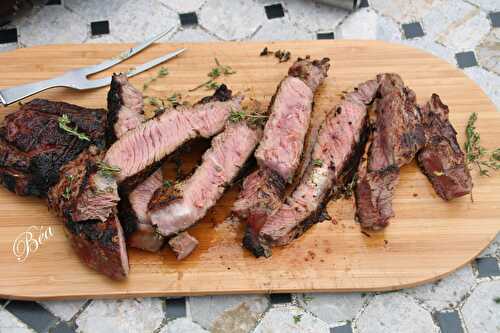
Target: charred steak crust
point(442, 159)
point(33, 148)
point(100, 245)
point(125, 108)
point(397, 136)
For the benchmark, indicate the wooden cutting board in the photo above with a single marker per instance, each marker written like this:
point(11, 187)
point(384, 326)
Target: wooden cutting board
point(428, 239)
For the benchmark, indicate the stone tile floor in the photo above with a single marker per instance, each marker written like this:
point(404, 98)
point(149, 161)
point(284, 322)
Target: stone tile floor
point(465, 33)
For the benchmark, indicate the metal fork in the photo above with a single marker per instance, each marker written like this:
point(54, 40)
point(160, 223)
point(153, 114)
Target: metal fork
point(77, 78)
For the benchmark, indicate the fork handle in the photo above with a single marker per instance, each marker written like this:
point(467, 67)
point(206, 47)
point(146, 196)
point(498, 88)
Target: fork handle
point(17, 93)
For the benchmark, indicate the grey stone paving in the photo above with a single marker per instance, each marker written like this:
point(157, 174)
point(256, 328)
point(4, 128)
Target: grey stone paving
point(449, 27)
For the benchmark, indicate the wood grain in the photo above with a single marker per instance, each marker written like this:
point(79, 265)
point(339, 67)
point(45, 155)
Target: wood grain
point(428, 238)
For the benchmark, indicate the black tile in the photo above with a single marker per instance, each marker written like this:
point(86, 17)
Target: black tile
point(53, 2)
point(99, 28)
point(363, 4)
point(449, 322)
point(413, 30)
point(62, 327)
point(8, 36)
point(32, 314)
point(188, 18)
point(274, 11)
point(487, 267)
point(466, 59)
point(176, 308)
point(281, 298)
point(495, 19)
point(325, 35)
point(342, 329)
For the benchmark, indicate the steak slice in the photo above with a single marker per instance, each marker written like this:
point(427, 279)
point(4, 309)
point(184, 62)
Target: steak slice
point(398, 135)
point(183, 244)
point(279, 153)
point(99, 243)
point(176, 208)
point(145, 146)
point(338, 147)
point(33, 148)
point(144, 237)
point(290, 113)
point(442, 159)
point(125, 107)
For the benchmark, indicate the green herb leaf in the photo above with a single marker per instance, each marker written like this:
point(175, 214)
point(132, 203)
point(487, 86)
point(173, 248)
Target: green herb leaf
point(212, 85)
point(64, 124)
point(297, 318)
point(161, 73)
point(236, 116)
point(477, 155)
point(214, 73)
point(497, 300)
point(107, 170)
point(167, 183)
point(67, 190)
point(317, 162)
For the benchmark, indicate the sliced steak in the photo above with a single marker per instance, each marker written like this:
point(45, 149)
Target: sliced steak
point(442, 159)
point(180, 206)
point(279, 153)
point(125, 107)
point(99, 243)
point(144, 237)
point(397, 136)
point(183, 244)
point(33, 147)
point(339, 146)
point(145, 146)
point(290, 113)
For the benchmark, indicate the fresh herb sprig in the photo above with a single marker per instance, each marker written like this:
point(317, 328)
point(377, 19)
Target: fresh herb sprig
point(67, 190)
point(64, 124)
point(215, 73)
point(477, 155)
point(317, 162)
point(237, 116)
point(161, 73)
point(167, 183)
point(107, 170)
point(297, 318)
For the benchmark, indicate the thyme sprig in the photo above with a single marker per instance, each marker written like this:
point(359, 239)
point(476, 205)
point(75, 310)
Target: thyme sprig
point(67, 190)
point(64, 124)
point(107, 170)
point(317, 162)
point(161, 73)
point(477, 155)
point(215, 73)
point(297, 318)
point(237, 116)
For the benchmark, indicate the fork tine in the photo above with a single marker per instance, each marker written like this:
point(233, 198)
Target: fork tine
point(89, 84)
point(122, 56)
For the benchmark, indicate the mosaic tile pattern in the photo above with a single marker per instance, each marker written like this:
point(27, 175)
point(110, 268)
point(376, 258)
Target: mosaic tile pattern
point(466, 33)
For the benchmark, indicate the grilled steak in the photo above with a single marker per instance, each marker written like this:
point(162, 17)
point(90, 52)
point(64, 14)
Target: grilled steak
point(135, 198)
point(33, 147)
point(397, 137)
point(280, 150)
point(99, 243)
point(144, 236)
point(125, 107)
point(143, 147)
point(178, 207)
point(183, 244)
point(336, 152)
point(442, 160)
point(290, 112)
